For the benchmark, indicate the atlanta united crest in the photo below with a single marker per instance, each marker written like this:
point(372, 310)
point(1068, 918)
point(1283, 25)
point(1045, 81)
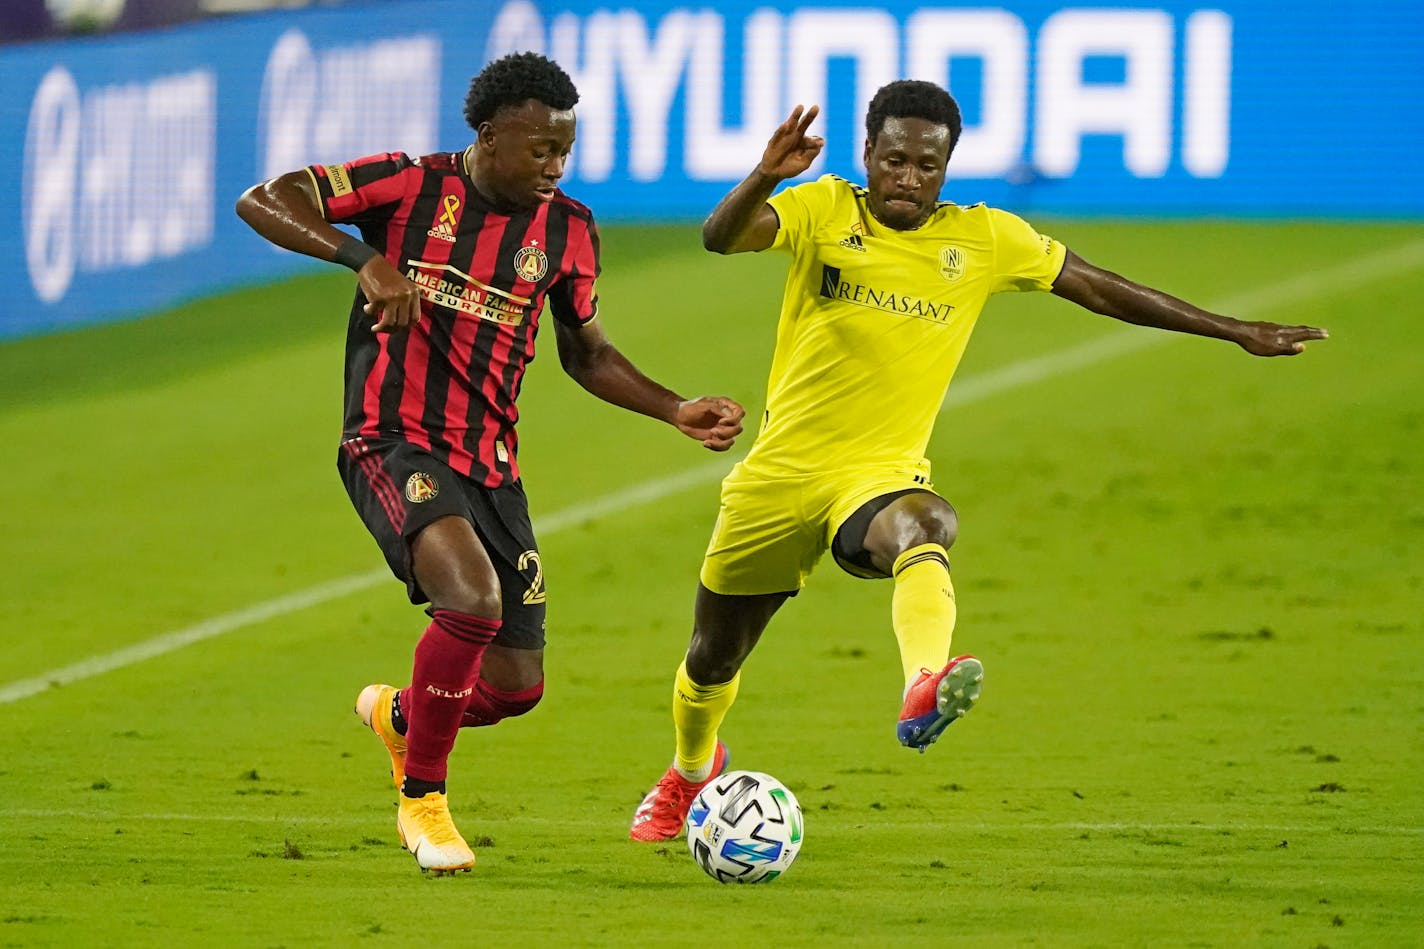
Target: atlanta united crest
point(420, 487)
point(530, 263)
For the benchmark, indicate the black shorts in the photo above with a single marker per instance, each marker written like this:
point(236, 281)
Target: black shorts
point(399, 489)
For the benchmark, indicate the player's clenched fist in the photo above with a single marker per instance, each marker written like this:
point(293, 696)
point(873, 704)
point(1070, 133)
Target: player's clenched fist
point(715, 421)
point(391, 297)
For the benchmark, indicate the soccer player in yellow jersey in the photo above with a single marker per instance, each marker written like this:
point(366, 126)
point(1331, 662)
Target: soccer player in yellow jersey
point(885, 285)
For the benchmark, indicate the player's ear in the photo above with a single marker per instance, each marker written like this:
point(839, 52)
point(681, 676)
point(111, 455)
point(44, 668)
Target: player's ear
point(866, 157)
point(485, 136)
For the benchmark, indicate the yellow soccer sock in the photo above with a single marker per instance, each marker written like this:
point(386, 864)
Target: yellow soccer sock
point(923, 609)
point(697, 712)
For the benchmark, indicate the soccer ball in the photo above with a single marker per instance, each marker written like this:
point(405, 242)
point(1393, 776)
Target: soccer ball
point(744, 827)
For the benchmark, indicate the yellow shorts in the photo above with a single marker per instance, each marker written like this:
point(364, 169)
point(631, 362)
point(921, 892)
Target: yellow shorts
point(772, 530)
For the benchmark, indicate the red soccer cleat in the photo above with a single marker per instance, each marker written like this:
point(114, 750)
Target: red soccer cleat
point(938, 698)
point(664, 809)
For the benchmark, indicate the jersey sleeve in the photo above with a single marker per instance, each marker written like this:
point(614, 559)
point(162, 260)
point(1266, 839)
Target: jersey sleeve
point(573, 299)
point(797, 210)
point(364, 190)
point(1024, 259)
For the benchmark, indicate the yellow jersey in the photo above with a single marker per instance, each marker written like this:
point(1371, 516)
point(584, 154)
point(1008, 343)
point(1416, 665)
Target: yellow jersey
point(874, 321)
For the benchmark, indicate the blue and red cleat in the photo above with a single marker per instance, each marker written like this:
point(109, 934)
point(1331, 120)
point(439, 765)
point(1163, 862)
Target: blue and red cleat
point(938, 698)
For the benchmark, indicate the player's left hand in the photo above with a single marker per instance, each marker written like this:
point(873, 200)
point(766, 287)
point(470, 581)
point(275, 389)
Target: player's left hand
point(715, 421)
point(1274, 339)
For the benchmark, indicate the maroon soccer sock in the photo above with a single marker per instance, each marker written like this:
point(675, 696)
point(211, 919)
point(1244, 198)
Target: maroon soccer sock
point(447, 665)
point(489, 705)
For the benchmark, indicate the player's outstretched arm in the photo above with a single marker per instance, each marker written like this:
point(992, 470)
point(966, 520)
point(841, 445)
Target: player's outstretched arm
point(595, 363)
point(285, 211)
point(742, 220)
point(1105, 292)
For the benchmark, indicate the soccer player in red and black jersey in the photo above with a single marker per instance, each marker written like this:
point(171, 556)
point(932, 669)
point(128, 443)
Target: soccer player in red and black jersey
point(457, 256)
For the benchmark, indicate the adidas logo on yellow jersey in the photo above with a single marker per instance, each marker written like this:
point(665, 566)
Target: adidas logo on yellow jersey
point(854, 242)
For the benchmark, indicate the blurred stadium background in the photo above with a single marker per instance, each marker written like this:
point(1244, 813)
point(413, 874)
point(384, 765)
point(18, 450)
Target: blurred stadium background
point(26, 20)
point(132, 141)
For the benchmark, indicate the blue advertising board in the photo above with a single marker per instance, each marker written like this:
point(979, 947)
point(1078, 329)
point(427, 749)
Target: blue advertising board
point(127, 152)
point(1183, 107)
point(131, 150)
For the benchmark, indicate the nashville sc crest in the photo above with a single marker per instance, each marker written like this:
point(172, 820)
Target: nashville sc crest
point(951, 262)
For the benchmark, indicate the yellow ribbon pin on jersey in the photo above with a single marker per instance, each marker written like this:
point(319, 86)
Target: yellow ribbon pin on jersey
point(452, 204)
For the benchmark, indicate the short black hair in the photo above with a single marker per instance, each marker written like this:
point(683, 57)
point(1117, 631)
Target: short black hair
point(913, 98)
point(513, 79)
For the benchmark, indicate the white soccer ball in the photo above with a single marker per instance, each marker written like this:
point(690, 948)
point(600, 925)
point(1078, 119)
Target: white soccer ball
point(744, 827)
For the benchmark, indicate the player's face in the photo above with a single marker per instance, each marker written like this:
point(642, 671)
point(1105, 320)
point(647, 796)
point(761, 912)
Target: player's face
point(904, 167)
point(524, 151)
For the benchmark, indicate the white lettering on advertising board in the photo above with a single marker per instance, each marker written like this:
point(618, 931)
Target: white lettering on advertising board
point(116, 176)
point(1035, 104)
point(336, 104)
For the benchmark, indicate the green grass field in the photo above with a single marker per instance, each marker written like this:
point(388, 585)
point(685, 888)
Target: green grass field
point(1194, 579)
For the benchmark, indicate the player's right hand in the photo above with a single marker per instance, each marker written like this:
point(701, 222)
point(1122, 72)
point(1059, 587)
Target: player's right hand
point(392, 298)
point(791, 150)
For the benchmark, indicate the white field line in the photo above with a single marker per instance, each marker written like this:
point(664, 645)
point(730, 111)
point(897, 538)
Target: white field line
point(1291, 292)
point(1000, 826)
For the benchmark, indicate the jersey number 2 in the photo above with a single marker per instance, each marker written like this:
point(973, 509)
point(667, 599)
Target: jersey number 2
point(534, 593)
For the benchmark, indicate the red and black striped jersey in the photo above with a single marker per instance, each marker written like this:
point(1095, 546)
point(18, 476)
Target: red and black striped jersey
point(450, 384)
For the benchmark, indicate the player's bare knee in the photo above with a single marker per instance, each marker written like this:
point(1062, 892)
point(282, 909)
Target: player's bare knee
point(933, 522)
point(469, 595)
point(911, 522)
point(454, 570)
point(712, 660)
point(940, 527)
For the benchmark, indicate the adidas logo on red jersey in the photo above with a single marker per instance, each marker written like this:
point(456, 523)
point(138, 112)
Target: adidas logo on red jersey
point(444, 229)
